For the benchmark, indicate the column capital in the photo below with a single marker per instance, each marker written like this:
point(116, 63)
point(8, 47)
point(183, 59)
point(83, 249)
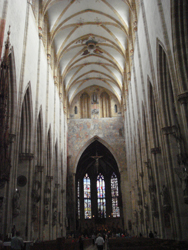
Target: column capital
point(48, 57)
point(40, 32)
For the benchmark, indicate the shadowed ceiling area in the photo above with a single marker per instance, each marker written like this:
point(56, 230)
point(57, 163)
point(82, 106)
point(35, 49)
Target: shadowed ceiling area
point(90, 39)
point(106, 162)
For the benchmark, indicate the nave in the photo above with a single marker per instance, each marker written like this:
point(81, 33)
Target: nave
point(93, 119)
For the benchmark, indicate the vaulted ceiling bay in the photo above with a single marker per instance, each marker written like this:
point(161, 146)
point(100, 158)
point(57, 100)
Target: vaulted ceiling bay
point(93, 44)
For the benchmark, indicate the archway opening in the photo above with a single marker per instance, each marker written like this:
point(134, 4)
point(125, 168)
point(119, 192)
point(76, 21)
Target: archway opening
point(98, 196)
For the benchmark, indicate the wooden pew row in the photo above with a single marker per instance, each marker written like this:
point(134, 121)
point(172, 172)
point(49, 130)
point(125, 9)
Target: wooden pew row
point(146, 244)
point(60, 244)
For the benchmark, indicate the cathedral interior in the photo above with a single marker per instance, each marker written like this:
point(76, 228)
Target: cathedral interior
point(94, 117)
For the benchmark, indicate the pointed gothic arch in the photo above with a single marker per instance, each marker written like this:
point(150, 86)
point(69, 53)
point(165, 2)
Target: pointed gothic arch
point(39, 138)
point(153, 115)
point(180, 37)
point(85, 105)
point(49, 152)
point(26, 122)
point(12, 92)
point(166, 88)
point(102, 142)
point(56, 173)
point(97, 165)
point(105, 107)
point(145, 132)
point(8, 105)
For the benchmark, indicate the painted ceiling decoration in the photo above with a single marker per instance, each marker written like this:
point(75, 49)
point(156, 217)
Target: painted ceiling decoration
point(91, 39)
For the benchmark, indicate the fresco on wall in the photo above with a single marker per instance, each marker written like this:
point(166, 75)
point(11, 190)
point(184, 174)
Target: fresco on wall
point(111, 130)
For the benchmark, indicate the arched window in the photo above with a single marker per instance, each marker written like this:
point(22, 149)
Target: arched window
point(78, 196)
point(75, 110)
point(85, 105)
point(115, 108)
point(105, 105)
point(87, 197)
point(101, 201)
point(115, 195)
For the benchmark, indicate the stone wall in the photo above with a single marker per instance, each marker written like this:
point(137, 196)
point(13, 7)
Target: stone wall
point(110, 131)
point(32, 70)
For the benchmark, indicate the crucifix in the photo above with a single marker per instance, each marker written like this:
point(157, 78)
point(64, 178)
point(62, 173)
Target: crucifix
point(97, 157)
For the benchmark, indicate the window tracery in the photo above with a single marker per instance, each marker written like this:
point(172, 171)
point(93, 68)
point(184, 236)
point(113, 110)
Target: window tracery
point(115, 195)
point(101, 199)
point(87, 197)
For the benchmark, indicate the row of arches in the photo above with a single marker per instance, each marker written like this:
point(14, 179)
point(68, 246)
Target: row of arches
point(157, 158)
point(33, 171)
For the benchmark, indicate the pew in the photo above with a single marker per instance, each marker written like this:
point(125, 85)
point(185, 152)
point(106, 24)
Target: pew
point(60, 244)
point(146, 244)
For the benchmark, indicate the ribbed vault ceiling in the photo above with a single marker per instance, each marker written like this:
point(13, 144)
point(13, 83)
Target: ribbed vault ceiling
point(90, 39)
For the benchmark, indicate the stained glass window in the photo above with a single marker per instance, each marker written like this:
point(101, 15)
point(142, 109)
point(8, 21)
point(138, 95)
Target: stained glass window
point(115, 195)
point(87, 197)
point(78, 196)
point(101, 200)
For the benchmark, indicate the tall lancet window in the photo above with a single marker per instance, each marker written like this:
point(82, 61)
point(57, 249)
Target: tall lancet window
point(115, 195)
point(87, 197)
point(78, 195)
point(101, 200)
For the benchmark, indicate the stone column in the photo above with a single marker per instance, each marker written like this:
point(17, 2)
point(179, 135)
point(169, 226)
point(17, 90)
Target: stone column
point(126, 202)
point(40, 169)
point(159, 180)
point(48, 208)
point(183, 99)
point(108, 197)
point(171, 137)
point(22, 204)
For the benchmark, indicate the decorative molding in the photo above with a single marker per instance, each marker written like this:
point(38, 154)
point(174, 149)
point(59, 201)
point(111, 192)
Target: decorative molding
point(147, 163)
point(167, 208)
point(183, 97)
point(40, 33)
point(49, 177)
point(12, 138)
point(169, 130)
point(21, 181)
point(39, 168)
point(141, 174)
point(26, 156)
point(62, 191)
point(156, 150)
point(155, 214)
point(152, 188)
